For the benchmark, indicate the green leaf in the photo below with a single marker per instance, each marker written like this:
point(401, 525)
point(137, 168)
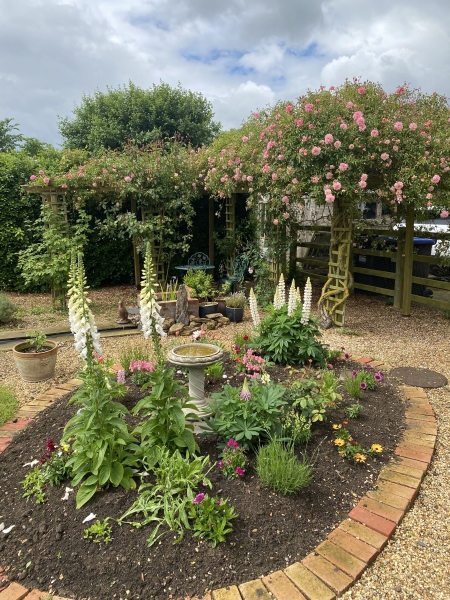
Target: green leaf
point(85, 493)
point(116, 473)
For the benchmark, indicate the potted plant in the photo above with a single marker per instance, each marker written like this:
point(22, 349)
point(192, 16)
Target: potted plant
point(200, 285)
point(36, 358)
point(235, 307)
point(221, 297)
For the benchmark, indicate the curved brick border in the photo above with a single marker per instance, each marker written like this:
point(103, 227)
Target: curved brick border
point(340, 560)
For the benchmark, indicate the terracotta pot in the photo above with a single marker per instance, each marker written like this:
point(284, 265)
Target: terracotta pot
point(35, 366)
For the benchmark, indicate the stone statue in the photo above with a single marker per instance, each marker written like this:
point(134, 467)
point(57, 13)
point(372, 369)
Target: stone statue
point(123, 315)
point(181, 309)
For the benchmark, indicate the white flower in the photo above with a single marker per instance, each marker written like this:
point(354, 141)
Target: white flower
point(292, 303)
point(253, 304)
point(298, 296)
point(307, 303)
point(149, 307)
point(280, 294)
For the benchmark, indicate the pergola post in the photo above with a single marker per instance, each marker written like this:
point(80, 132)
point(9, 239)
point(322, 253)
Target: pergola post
point(408, 261)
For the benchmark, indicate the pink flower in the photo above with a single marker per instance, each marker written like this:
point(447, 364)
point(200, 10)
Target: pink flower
point(244, 138)
point(80, 174)
point(374, 133)
point(413, 126)
point(286, 215)
point(384, 156)
point(351, 146)
point(337, 144)
point(434, 179)
point(280, 157)
point(128, 179)
point(265, 168)
point(362, 184)
point(357, 115)
point(336, 185)
point(400, 90)
point(395, 148)
point(343, 167)
point(310, 126)
point(33, 178)
point(299, 122)
point(309, 107)
point(398, 185)
point(444, 214)
point(285, 199)
point(361, 90)
point(344, 126)
point(64, 185)
point(360, 121)
point(316, 151)
point(239, 471)
point(249, 178)
point(46, 180)
point(289, 108)
point(329, 175)
point(274, 176)
point(398, 126)
point(329, 198)
point(256, 115)
point(349, 105)
point(295, 181)
point(328, 138)
point(41, 172)
point(429, 196)
point(121, 376)
point(315, 179)
point(275, 221)
point(199, 498)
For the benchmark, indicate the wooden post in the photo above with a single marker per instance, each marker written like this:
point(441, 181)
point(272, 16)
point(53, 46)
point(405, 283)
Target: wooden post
point(408, 261)
point(399, 270)
point(230, 228)
point(211, 229)
point(293, 233)
point(137, 265)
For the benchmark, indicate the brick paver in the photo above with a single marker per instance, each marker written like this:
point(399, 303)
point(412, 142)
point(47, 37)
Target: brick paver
point(373, 521)
point(399, 478)
point(391, 499)
point(254, 590)
point(310, 585)
point(341, 558)
point(353, 546)
point(383, 510)
point(407, 453)
point(14, 591)
point(364, 533)
point(227, 593)
point(37, 595)
point(282, 587)
point(336, 579)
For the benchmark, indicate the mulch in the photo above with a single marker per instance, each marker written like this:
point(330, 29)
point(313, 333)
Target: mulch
point(46, 549)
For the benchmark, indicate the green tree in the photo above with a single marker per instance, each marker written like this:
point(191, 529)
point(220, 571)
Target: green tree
point(113, 118)
point(8, 139)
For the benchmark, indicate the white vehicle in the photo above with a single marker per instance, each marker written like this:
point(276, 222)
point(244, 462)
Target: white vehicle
point(441, 247)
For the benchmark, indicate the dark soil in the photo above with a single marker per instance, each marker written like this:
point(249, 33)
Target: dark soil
point(46, 549)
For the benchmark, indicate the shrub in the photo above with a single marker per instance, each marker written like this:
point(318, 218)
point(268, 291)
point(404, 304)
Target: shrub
point(354, 410)
point(285, 340)
point(7, 309)
point(8, 405)
point(200, 283)
point(279, 468)
point(236, 300)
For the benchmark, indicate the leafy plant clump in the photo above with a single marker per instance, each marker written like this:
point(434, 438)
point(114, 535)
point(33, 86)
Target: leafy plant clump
point(283, 339)
point(200, 283)
point(53, 470)
point(349, 448)
point(8, 405)
point(133, 353)
point(8, 309)
point(279, 468)
point(233, 460)
point(354, 410)
point(310, 393)
point(214, 372)
point(99, 532)
point(212, 518)
point(36, 340)
point(236, 300)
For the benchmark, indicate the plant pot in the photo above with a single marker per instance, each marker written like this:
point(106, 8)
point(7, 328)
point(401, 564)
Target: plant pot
point(222, 306)
point(35, 366)
point(235, 314)
point(206, 308)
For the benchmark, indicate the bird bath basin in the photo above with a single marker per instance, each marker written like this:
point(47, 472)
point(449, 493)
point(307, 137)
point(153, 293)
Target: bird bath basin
point(195, 357)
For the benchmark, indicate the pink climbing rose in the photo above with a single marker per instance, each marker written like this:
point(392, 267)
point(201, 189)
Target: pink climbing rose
point(398, 126)
point(343, 166)
point(444, 214)
point(316, 151)
point(435, 179)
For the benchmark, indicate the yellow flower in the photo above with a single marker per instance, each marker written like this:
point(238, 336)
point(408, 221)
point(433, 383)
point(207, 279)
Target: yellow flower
point(360, 458)
point(377, 448)
point(341, 452)
point(339, 442)
point(65, 447)
point(336, 427)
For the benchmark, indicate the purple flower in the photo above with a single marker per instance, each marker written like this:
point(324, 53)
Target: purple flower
point(240, 471)
point(346, 356)
point(220, 464)
point(354, 373)
point(363, 385)
point(232, 443)
point(245, 393)
point(121, 376)
point(199, 498)
point(378, 376)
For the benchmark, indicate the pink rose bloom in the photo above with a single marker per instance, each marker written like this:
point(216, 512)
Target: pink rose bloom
point(249, 178)
point(299, 122)
point(374, 133)
point(357, 115)
point(64, 185)
point(33, 178)
point(431, 188)
point(285, 199)
point(344, 126)
point(316, 151)
point(429, 196)
point(244, 138)
point(384, 156)
point(256, 115)
point(361, 121)
point(286, 215)
point(41, 172)
point(295, 181)
point(289, 108)
point(315, 179)
point(363, 177)
point(275, 221)
point(444, 214)
point(214, 170)
point(395, 148)
point(351, 146)
point(398, 126)
point(277, 117)
point(337, 144)
point(274, 176)
point(329, 175)
point(362, 128)
point(309, 107)
point(361, 90)
point(46, 180)
point(127, 179)
point(265, 168)
point(328, 138)
point(280, 157)
point(349, 105)
point(413, 126)
point(362, 184)
point(94, 184)
point(336, 185)
point(329, 198)
point(343, 167)
point(266, 154)
point(398, 185)
point(272, 126)
point(435, 179)
point(310, 126)
point(80, 174)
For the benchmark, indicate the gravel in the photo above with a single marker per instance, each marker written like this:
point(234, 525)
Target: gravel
point(414, 565)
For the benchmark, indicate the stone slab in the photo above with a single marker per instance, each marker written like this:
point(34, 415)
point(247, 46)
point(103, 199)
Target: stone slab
point(424, 378)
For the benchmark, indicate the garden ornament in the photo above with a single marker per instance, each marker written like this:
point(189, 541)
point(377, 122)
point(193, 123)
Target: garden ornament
point(123, 315)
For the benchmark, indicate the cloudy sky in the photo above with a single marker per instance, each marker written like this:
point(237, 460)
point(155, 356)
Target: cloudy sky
point(240, 55)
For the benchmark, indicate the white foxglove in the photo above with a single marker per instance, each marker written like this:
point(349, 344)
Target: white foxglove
point(292, 302)
point(81, 319)
point(307, 303)
point(281, 291)
point(253, 304)
point(150, 316)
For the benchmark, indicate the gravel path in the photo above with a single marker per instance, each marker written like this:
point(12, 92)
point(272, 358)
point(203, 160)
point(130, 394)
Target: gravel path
point(415, 564)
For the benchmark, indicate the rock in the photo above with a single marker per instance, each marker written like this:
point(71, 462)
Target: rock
point(215, 316)
point(181, 309)
point(168, 323)
point(175, 327)
point(200, 320)
point(189, 330)
point(211, 325)
point(224, 320)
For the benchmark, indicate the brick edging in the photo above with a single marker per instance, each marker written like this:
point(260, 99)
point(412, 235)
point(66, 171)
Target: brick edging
point(337, 562)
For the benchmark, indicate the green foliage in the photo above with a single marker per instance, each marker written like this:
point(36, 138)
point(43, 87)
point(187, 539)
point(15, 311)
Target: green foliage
point(214, 372)
point(246, 421)
point(200, 283)
point(99, 532)
point(36, 340)
point(353, 387)
point(110, 119)
point(165, 423)
point(132, 353)
point(233, 460)
point(8, 405)
point(9, 140)
point(279, 468)
point(34, 485)
point(165, 502)
point(283, 339)
point(354, 410)
point(7, 309)
point(368, 377)
point(348, 448)
point(212, 519)
point(100, 437)
point(296, 427)
point(311, 396)
point(237, 300)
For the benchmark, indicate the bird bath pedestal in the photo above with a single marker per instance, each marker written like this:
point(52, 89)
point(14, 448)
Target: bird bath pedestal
point(195, 357)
